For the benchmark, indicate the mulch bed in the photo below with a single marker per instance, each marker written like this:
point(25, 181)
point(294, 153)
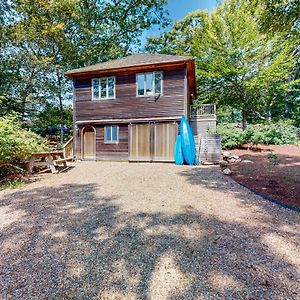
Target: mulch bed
point(281, 181)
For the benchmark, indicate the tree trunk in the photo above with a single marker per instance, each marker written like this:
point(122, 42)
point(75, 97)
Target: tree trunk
point(245, 117)
point(61, 119)
point(269, 112)
point(59, 85)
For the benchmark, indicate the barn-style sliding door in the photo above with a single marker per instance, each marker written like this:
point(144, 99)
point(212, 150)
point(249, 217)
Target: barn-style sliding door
point(139, 146)
point(152, 142)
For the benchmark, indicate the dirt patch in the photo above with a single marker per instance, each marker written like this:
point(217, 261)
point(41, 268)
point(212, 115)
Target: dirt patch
point(275, 171)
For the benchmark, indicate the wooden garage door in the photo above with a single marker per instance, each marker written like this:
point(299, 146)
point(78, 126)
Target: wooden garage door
point(152, 142)
point(139, 149)
point(164, 141)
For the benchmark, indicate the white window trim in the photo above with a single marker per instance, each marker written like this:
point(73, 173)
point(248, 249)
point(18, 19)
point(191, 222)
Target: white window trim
point(106, 98)
point(153, 84)
point(111, 141)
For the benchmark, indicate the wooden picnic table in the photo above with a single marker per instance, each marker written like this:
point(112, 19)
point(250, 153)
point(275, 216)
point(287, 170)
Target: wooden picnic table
point(47, 159)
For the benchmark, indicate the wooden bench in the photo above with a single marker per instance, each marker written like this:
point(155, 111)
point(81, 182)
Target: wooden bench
point(49, 159)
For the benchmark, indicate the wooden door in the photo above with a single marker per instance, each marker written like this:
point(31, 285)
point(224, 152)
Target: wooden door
point(89, 144)
point(164, 140)
point(139, 149)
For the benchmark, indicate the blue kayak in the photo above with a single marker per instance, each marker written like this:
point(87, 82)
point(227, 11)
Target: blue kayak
point(187, 142)
point(178, 156)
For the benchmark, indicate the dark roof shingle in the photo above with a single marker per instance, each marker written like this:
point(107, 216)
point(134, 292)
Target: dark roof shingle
point(131, 61)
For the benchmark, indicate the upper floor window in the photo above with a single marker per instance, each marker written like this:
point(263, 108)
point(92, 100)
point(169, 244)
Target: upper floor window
point(149, 83)
point(103, 88)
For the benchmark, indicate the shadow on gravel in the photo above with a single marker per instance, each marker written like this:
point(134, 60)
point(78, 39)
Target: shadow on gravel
point(68, 243)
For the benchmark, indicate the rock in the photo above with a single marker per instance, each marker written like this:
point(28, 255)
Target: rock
point(247, 161)
point(235, 156)
point(238, 160)
point(227, 171)
point(231, 160)
point(223, 163)
point(226, 154)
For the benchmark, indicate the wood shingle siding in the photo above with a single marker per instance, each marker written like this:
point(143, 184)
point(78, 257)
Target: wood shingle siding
point(117, 151)
point(160, 113)
point(126, 104)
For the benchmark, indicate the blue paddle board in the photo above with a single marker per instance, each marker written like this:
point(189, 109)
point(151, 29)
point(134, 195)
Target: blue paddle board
point(187, 142)
point(178, 156)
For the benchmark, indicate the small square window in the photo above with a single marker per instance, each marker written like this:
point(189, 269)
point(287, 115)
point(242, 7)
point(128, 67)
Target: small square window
point(111, 134)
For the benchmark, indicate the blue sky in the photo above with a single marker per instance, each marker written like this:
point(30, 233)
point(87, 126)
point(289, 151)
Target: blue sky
point(178, 9)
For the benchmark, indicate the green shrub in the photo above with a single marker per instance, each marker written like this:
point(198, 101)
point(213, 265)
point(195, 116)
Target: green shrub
point(274, 134)
point(231, 135)
point(274, 158)
point(16, 143)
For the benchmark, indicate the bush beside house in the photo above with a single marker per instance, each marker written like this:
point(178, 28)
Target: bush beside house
point(16, 145)
point(270, 134)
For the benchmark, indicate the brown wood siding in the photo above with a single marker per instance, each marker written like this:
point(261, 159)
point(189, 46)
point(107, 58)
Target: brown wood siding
point(127, 105)
point(117, 151)
point(105, 151)
point(77, 145)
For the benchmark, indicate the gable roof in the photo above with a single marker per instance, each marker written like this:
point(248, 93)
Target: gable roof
point(131, 61)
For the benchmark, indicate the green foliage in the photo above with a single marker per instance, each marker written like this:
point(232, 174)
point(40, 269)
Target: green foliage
point(296, 114)
point(50, 115)
point(274, 158)
point(11, 184)
point(41, 39)
point(278, 15)
point(178, 40)
point(16, 143)
point(239, 65)
point(273, 134)
point(231, 136)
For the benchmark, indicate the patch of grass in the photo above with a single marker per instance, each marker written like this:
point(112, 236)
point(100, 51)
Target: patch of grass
point(12, 184)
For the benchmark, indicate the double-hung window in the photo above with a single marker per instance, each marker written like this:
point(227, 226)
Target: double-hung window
point(149, 84)
point(111, 134)
point(103, 88)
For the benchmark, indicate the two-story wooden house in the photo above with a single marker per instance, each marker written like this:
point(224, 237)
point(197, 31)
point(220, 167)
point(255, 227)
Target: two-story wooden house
point(129, 109)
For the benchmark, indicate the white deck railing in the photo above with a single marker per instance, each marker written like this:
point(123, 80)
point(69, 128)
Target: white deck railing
point(203, 110)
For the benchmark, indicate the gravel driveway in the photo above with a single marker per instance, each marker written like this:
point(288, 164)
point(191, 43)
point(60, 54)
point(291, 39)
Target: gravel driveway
point(145, 231)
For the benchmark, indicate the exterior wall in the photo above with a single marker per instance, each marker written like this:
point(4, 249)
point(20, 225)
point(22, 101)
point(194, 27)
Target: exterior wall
point(201, 125)
point(117, 151)
point(127, 105)
point(104, 151)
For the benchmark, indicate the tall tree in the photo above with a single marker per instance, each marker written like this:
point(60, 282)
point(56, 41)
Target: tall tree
point(61, 34)
point(178, 40)
point(278, 15)
point(237, 64)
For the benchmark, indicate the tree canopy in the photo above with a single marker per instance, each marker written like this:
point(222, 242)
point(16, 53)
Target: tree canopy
point(247, 52)
point(42, 39)
point(239, 65)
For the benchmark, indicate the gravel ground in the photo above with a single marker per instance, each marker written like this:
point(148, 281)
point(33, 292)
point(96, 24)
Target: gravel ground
point(145, 231)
